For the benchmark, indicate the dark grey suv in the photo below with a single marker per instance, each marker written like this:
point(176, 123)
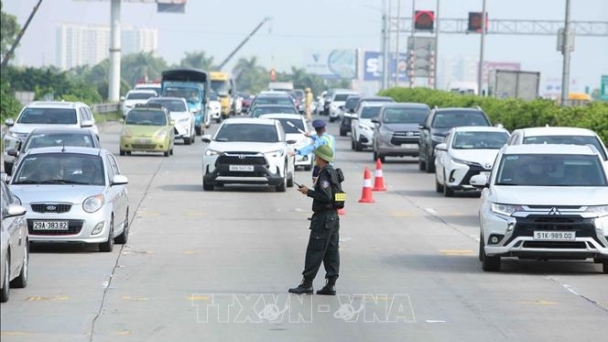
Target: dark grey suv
point(438, 124)
point(397, 129)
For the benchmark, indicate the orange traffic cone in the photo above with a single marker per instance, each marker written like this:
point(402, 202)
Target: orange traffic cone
point(378, 177)
point(366, 194)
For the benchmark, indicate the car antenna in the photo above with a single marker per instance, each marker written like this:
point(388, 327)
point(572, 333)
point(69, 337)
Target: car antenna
point(63, 146)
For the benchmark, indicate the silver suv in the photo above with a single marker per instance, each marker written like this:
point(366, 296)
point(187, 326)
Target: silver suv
point(41, 114)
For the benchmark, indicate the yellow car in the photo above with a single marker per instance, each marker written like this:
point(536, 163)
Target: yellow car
point(147, 128)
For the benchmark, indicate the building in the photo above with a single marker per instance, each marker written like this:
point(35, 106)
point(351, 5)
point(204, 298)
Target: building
point(457, 69)
point(79, 45)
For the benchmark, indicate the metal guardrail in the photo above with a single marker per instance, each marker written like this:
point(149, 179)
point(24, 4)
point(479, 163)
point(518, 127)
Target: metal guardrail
point(105, 108)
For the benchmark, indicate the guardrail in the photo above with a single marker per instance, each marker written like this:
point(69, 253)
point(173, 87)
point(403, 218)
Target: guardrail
point(105, 108)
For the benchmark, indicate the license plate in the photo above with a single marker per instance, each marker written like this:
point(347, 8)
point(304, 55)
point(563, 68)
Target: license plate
point(241, 168)
point(412, 146)
point(554, 236)
point(50, 225)
point(144, 141)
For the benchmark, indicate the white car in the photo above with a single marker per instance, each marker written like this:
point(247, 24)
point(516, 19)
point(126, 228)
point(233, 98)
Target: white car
point(559, 135)
point(135, 96)
point(215, 107)
point(295, 132)
point(157, 87)
point(337, 102)
point(362, 127)
point(248, 151)
point(183, 118)
point(544, 202)
point(73, 195)
point(14, 253)
point(466, 152)
point(45, 114)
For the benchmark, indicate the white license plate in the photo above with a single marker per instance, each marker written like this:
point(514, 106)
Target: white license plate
point(412, 146)
point(144, 141)
point(554, 236)
point(50, 225)
point(241, 168)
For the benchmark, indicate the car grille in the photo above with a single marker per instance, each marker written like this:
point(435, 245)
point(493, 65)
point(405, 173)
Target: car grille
point(143, 147)
point(473, 171)
point(51, 208)
point(405, 137)
point(241, 158)
point(584, 227)
point(74, 227)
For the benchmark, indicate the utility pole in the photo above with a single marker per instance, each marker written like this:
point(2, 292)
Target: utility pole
point(397, 43)
point(10, 52)
point(436, 80)
point(385, 42)
point(482, 49)
point(412, 62)
point(566, 52)
point(115, 37)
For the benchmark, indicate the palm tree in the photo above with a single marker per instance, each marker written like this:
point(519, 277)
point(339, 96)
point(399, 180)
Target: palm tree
point(197, 60)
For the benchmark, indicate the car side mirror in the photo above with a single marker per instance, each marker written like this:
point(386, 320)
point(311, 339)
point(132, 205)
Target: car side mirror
point(341, 107)
point(352, 110)
point(14, 210)
point(479, 181)
point(86, 123)
point(9, 122)
point(206, 139)
point(12, 152)
point(441, 147)
point(120, 180)
point(4, 177)
point(291, 142)
point(122, 98)
point(422, 127)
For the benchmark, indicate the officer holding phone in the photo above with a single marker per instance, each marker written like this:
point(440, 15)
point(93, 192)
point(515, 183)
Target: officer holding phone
point(324, 228)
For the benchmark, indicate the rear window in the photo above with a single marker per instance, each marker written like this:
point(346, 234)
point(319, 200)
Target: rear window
point(48, 116)
point(370, 112)
point(257, 111)
point(139, 96)
point(146, 118)
point(404, 115)
point(58, 139)
point(171, 105)
point(458, 119)
point(341, 97)
point(568, 140)
point(351, 102)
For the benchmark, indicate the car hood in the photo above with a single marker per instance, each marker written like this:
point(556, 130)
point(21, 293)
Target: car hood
point(74, 194)
point(239, 146)
point(401, 127)
point(558, 196)
point(366, 122)
point(143, 131)
point(442, 132)
point(179, 115)
point(20, 128)
point(482, 157)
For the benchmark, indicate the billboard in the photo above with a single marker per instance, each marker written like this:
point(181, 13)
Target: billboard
point(487, 66)
point(171, 6)
point(551, 88)
point(372, 66)
point(333, 64)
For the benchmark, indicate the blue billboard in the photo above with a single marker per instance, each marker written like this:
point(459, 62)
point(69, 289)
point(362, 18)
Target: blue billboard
point(372, 66)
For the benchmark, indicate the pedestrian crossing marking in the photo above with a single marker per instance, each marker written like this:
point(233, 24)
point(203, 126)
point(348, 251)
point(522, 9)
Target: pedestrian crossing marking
point(46, 299)
point(198, 298)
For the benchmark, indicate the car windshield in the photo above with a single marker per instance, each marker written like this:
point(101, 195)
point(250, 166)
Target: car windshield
point(551, 170)
point(188, 93)
point(260, 110)
point(276, 100)
point(39, 140)
point(404, 115)
point(220, 86)
point(213, 96)
point(370, 112)
point(48, 116)
point(341, 97)
point(171, 105)
point(298, 123)
point(351, 102)
point(247, 132)
point(569, 140)
point(299, 93)
point(146, 118)
point(479, 140)
point(457, 119)
point(61, 168)
point(139, 96)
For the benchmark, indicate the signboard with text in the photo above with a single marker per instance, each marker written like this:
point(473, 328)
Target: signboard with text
point(372, 66)
point(333, 64)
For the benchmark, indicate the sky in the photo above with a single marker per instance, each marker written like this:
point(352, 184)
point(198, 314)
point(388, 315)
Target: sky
point(299, 27)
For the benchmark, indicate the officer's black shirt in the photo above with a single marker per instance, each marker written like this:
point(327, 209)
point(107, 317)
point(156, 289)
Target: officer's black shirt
point(323, 194)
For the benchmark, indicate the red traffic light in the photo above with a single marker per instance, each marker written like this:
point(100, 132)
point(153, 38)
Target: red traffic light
point(424, 20)
point(273, 75)
point(475, 22)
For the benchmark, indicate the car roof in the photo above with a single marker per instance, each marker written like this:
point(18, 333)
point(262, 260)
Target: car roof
point(51, 104)
point(550, 149)
point(281, 116)
point(544, 131)
point(372, 103)
point(145, 91)
point(377, 98)
point(155, 99)
point(270, 105)
point(250, 121)
point(66, 149)
point(458, 109)
point(479, 129)
point(406, 105)
point(73, 130)
point(345, 91)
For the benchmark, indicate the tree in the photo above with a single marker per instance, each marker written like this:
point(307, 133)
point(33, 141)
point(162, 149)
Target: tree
point(9, 105)
point(250, 76)
point(197, 60)
point(142, 66)
point(9, 29)
point(595, 94)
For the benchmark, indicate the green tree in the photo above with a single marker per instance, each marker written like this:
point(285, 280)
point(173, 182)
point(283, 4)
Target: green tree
point(9, 105)
point(595, 94)
point(250, 76)
point(197, 60)
point(9, 29)
point(139, 66)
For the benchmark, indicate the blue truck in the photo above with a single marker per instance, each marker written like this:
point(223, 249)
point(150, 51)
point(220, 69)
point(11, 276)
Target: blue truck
point(193, 85)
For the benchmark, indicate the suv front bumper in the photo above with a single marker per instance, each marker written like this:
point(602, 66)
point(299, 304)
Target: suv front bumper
point(262, 170)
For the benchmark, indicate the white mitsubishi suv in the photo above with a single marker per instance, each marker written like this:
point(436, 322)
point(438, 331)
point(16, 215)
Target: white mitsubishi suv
point(544, 202)
point(248, 151)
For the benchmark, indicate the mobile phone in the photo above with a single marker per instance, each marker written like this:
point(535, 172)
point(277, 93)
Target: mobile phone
point(298, 185)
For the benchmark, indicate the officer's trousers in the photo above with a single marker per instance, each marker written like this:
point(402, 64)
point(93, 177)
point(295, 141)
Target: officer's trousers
point(323, 245)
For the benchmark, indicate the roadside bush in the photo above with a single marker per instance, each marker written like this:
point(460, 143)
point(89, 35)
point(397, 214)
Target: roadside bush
point(513, 113)
point(9, 105)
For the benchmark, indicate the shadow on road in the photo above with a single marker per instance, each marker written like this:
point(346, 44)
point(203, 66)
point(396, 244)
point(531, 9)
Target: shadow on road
point(64, 248)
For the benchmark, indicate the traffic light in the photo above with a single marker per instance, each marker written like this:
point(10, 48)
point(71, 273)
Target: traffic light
point(273, 75)
point(475, 22)
point(424, 20)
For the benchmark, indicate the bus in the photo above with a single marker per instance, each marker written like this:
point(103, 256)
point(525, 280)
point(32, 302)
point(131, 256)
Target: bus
point(192, 85)
point(223, 85)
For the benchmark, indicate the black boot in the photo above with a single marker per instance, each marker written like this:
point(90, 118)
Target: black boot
point(305, 287)
point(330, 287)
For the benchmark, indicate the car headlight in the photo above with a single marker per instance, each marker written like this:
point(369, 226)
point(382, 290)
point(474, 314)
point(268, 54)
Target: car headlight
point(210, 152)
point(438, 138)
point(93, 203)
point(465, 162)
point(600, 210)
point(363, 127)
point(506, 209)
point(275, 154)
point(160, 134)
point(126, 133)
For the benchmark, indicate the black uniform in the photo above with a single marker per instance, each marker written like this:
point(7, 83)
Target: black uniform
point(324, 228)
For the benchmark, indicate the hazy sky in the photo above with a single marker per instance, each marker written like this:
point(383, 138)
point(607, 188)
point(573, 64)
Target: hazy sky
point(301, 26)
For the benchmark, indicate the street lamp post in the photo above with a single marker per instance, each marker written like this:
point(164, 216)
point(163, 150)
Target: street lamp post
point(114, 83)
point(482, 49)
point(566, 50)
point(436, 78)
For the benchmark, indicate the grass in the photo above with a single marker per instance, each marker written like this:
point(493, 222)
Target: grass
point(114, 116)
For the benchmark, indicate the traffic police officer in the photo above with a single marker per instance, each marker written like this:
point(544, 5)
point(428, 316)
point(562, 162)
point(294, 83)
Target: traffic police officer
point(319, 139)
point(324, 228)
point(308, 104)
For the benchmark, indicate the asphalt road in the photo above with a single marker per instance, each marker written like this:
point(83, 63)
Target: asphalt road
point(216, 266)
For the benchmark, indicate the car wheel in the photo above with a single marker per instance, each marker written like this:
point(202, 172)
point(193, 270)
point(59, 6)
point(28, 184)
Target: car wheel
point(207, 186)
point(171, 151)
point(438, 186)
point(21, 281)
point(352, 145)
point(447, 192)
point(290, 181)
point(128, 153)
point(124, 236)
point(488, 264)
point(166, 153)
point(187, 141)
point(382, 159)
point(198, 130)
point(122, 152)
point(108, 246)
point(218, 120)
point(8, 168)
point(605, 267)
point(308, 167)
point(6, 287)
point(358, 147)
point(430, 165)
point(283, 186)
point(342, 132)
point(421, 165)
point(480, 248)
